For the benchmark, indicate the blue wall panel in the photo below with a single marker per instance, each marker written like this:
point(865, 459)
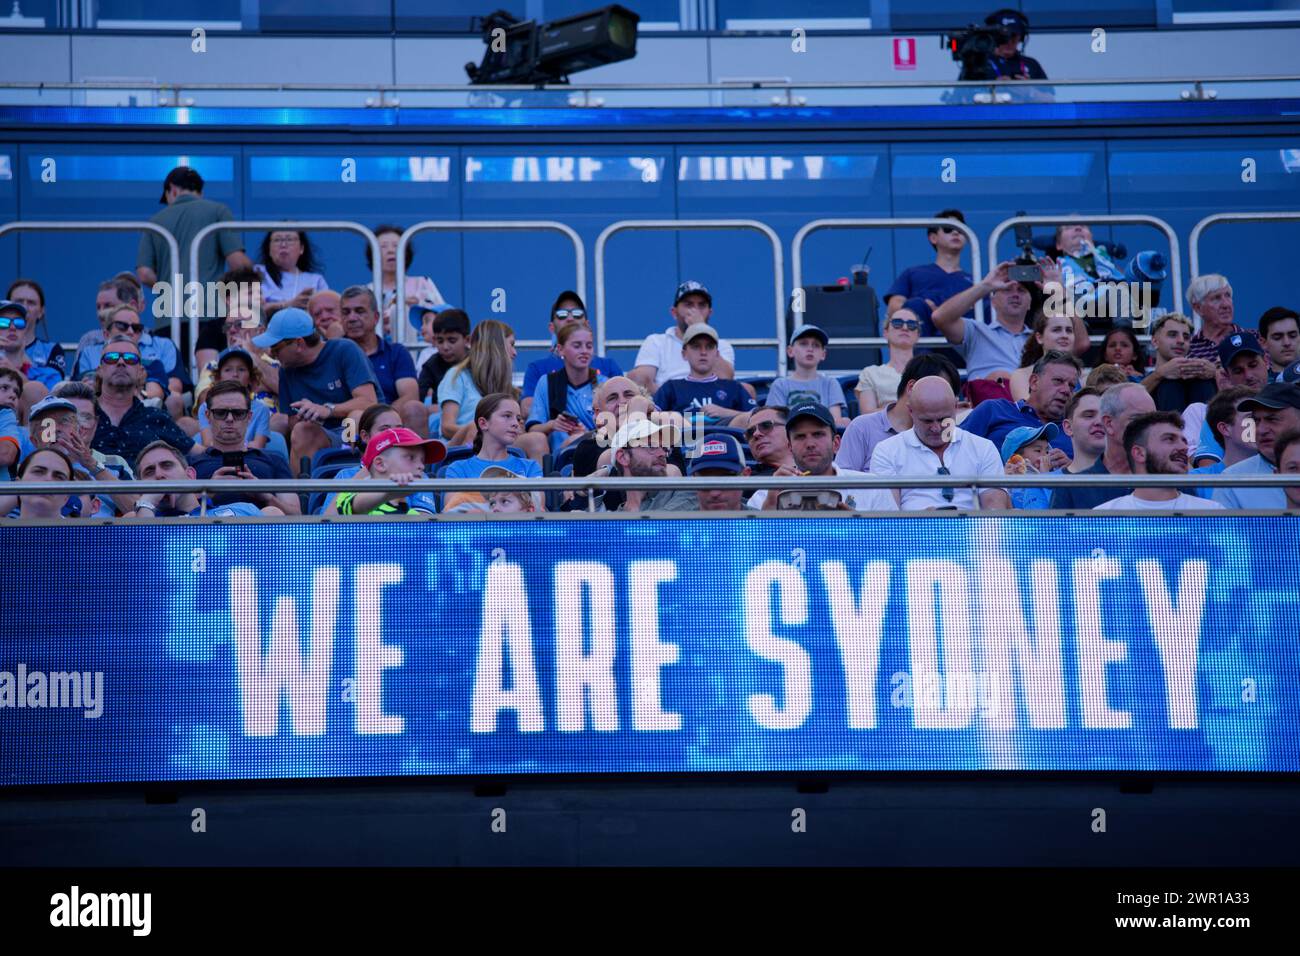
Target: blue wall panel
point(100, 182)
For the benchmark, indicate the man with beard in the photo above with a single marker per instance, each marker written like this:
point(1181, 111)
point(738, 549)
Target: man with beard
point(813, 444)
point(1155, 445)
point(641, 451)
point(1051, 384)
point(126, 424)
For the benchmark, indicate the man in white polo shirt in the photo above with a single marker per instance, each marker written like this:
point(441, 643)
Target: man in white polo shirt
point(660, 357)
point(813, 444)
point(934, 445)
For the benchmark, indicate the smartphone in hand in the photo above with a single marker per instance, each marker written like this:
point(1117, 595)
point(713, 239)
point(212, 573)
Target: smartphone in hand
point(232, 459)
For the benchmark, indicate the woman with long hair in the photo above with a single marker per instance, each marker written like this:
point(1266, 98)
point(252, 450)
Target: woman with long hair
point(287, 266)
point(487, 370)
point(499, 426)
point(417, 290)
point(878, 384)
point(1050, 332)
point(575, 382)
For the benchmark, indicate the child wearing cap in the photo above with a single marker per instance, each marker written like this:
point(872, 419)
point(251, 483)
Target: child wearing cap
point(805, 385)
point(1028, 451)
point(507, 502)
point(396, 454)
point(702, 394)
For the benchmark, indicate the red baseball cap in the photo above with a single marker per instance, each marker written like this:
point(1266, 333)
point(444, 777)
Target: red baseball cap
point(434, 450)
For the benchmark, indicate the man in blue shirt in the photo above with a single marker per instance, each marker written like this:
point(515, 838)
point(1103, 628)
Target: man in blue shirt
point(568, 310)
point(229, 407)
point(1275, 411)
point(321, 382)
point(716, 401)
point(938, 280)
point(1053, 380)
point(394, 370)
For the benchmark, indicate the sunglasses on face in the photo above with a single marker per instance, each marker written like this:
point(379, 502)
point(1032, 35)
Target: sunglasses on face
point(14, 322)
point(228, 414)
point(949, 229)
point(126, 326)
point(125, 358)
point(910, 325)
point(764, 427)
point(570, 313)
point(949, 492)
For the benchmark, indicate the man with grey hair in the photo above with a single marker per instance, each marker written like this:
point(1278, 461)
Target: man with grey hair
point(1210, 297)
point(1120, 404)
point(398, 384)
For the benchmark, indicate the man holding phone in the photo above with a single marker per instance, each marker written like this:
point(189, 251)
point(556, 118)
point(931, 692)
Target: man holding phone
point(229, 457)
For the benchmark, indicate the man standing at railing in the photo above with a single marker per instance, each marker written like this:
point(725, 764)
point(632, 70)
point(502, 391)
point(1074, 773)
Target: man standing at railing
point(185, 214)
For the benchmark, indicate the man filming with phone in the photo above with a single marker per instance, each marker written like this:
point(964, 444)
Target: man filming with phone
point(229, 457)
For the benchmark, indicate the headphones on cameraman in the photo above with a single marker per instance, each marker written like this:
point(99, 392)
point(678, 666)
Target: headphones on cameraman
point(1010, 20)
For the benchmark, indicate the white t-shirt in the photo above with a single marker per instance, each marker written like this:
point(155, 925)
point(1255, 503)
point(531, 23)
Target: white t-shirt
point(663, 350)
point(967, 455)
point(1182, 503)
point(859, 499)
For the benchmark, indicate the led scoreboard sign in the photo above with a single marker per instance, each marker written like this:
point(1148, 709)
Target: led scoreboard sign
point(233, 651)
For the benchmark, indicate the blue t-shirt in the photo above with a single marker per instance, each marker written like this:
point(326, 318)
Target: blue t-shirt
point(43, 353)
point(262, 465)
point(995, 418)
point(1086, 497)
point(689, 396)
point(579, 404)
point(458, 386)
point(475, 466)
point(607, 367)
point(340, 367)
point(930, 282)
point(1205, 491)
point(259, 422)
point(9, 428)
point(390, 363)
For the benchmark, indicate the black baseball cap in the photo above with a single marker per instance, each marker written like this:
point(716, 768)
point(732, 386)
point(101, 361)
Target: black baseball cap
point(1274, 395)
point(184, 177)
point(810, 410)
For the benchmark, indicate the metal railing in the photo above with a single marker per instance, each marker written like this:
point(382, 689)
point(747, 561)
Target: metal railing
point(591, 484)
point(1175, 255)
point(486, 225)
point(1194, 240)
point(629, 225)
point(336, 225)
point(796, 261)
point(100, 225)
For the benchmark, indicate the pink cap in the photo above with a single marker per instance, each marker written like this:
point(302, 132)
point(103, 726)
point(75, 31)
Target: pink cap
point(434, 450)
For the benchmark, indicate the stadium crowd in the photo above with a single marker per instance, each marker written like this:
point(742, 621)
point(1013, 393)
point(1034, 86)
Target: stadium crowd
point(296, 380)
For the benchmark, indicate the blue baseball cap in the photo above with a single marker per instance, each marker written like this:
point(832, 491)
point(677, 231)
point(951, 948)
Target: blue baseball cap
point(717, 451)
point(7, 305)
point(286, 324)
point(691, 287)
point(812, 330)
point(417, 312)
point(1018, 438)
point(810, 410)
point(1237, 343)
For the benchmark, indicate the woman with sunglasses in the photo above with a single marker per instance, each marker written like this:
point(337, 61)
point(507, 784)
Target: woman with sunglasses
point(878, 384)
point(40, 352)
point(14, 327)
point(567, 310)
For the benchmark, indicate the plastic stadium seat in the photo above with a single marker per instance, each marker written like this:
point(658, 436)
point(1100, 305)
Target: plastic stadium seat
point(564, 460)
point(850, 385)
point(330, 456)
point(761, 385)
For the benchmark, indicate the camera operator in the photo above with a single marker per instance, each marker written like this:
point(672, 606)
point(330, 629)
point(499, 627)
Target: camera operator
point(994, 52)
point(1007, 61)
